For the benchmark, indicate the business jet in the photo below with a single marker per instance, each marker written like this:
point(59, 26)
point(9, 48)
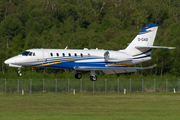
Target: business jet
point(108, 61)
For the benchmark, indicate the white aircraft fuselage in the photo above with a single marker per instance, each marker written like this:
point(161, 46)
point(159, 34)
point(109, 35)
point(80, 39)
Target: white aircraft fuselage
point(72, 58)
point(108, 61)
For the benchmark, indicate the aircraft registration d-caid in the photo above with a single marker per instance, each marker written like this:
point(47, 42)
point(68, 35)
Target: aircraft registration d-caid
point(108, 61)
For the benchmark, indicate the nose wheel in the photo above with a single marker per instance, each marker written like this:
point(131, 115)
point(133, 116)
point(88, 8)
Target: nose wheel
point(19, 72)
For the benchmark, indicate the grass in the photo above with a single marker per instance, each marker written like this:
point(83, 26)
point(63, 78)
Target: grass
point(98, 106)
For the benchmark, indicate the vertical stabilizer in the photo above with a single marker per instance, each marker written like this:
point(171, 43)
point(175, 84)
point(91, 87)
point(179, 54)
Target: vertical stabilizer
point(145, 38)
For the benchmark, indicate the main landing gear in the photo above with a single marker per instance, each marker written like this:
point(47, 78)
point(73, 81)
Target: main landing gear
point(93, 76)
point(19, 72)
point(78, 75)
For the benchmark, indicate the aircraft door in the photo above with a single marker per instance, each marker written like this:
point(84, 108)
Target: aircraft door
point(45, 57)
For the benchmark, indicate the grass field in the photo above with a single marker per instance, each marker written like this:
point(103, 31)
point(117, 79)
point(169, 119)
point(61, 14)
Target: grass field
point(89, 106)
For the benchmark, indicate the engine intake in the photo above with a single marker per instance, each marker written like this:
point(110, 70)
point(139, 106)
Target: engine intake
point(106, 56)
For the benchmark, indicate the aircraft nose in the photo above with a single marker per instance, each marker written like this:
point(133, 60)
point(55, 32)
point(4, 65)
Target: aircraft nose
point(9, 61)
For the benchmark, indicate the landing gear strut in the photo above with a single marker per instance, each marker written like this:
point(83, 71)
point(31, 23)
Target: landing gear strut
point(78, 75)
point(93, 76)
point(19, 72)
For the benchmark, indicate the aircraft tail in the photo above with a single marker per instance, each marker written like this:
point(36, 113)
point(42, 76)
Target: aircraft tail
point(143, 42)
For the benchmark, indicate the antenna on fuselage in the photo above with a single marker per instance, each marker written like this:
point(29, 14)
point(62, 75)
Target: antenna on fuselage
point(66, 47)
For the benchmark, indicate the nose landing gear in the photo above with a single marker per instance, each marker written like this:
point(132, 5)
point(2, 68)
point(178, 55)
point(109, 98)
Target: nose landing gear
point(19, 72)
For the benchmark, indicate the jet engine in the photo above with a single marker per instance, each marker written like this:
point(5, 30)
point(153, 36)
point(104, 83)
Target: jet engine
point(113, 56)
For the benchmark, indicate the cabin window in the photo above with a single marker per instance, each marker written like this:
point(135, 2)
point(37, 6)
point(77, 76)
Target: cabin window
point(75, 54)
point(57, 54)
point(51, 54)
point(34, 54)
point(69, 54)
point(88, 54)
point(63, 55)
point(81, 55)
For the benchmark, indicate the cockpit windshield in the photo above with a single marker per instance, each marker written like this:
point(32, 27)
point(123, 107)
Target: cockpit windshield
point(27, 53)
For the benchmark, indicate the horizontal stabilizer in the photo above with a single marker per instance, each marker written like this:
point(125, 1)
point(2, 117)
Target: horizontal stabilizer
point(155, 47)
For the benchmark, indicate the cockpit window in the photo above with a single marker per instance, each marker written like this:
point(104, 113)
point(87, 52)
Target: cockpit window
point(27, 53)
point(30, 54)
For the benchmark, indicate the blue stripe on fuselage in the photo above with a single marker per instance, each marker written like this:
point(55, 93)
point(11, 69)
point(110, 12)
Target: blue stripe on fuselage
point(70, 63)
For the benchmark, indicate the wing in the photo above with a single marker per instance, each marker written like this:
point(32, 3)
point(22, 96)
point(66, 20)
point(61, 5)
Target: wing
point(162, 47)
point(112, 70)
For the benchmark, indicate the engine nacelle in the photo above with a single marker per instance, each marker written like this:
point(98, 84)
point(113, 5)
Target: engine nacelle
point(113, 56)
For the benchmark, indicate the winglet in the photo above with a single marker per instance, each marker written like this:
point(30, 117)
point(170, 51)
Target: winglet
point(150, 67)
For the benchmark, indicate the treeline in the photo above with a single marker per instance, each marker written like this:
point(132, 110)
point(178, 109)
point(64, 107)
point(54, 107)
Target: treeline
point(104, 24)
